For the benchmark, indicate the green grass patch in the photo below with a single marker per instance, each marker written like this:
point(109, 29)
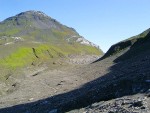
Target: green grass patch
point(26, 54)
point(18, 59)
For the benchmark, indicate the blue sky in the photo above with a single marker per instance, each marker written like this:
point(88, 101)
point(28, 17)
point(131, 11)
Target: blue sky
point(104, 22)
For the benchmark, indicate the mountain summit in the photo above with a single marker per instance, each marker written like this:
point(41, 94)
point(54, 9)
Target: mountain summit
point(37, 26)
point(32, 19)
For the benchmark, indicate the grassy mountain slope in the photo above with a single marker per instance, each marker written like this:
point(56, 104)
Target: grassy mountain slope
point(130, 47)
point(33, 32)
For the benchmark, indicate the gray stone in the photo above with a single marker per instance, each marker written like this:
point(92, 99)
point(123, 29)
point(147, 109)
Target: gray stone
point(53, 111)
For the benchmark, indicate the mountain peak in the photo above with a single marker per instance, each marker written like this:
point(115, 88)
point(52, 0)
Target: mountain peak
point(33, 12)
point(34, 19)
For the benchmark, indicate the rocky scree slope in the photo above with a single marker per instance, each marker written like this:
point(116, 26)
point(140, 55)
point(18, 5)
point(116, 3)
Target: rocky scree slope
point(126, 87)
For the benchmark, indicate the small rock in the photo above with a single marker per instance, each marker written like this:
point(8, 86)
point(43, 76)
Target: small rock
point(53, 111)
point(31, 99)
point(14, 85)
point(54, 62)
point(35, 74)
point(45, 102)
point(148, 95)
point(85, 112)
point(59, 84)
point(143, 107)
point(27, 111)
point(148, 81)
point(138, 104)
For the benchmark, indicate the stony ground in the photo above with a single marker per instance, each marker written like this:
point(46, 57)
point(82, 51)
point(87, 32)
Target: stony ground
point(139, 103)
point(44, 82)
point(104, 87)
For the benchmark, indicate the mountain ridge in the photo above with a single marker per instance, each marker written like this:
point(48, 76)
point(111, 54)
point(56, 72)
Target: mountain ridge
point(126, 44)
